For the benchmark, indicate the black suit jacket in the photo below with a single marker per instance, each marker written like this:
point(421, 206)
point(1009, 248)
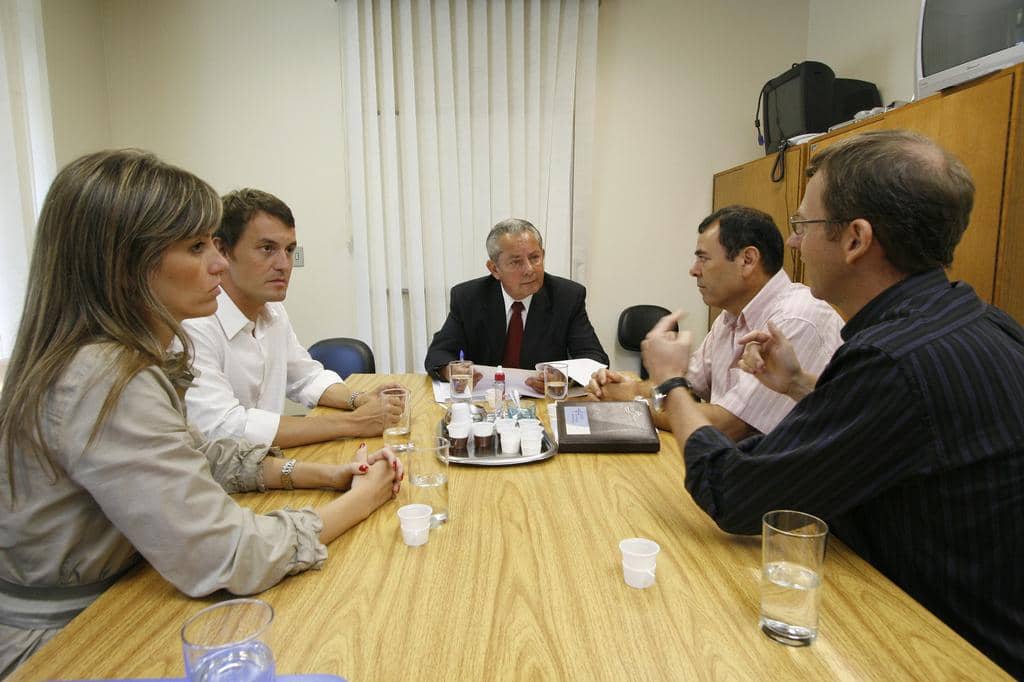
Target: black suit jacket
point(557, 326)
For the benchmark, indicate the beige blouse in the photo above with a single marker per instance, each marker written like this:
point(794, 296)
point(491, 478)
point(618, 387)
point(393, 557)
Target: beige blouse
point(148, 485)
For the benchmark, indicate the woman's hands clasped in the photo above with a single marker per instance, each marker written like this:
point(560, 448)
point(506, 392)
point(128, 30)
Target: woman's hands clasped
point(381, 468)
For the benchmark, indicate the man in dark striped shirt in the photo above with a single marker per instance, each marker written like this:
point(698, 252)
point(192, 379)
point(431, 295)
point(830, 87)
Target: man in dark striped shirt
point(911, 442)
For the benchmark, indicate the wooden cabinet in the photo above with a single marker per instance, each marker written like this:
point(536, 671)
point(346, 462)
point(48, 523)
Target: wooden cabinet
point(752, 184)
point(764, 185)
point(980, 122)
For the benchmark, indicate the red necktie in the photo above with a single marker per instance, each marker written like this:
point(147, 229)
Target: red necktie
point(514, 338)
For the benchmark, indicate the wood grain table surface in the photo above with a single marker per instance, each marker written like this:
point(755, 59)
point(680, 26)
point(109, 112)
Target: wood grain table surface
point(525, 583)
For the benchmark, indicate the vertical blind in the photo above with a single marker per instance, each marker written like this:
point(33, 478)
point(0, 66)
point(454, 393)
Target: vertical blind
point(458, 114)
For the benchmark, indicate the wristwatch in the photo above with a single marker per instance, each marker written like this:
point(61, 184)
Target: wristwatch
point(661, 391)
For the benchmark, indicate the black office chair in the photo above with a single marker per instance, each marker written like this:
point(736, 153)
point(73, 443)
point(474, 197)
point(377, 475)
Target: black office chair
point(344, 355)
point(634, 323)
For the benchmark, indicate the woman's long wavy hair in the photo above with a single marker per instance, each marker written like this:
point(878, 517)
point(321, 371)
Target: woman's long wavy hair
point(104, 227)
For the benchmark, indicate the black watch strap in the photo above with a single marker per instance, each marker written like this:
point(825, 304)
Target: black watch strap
point(672, 384)
point(662, 390)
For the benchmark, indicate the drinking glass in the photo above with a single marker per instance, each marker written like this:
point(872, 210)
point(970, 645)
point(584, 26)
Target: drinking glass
point(229, 641)
point(397, 424)
point(427, 463)
point(556, 380)
point(792, 559)
point(460, 378)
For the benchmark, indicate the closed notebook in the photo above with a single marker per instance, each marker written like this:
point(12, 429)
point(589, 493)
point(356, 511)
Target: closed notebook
point(606, 427)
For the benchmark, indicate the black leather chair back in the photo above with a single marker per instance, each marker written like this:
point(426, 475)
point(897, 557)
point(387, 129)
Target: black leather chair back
point(634, 323)
point(344, 355)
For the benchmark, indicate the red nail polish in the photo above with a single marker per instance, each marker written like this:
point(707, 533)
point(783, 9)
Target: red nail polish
point(394, 465)
point(362, 467)
point(362, 445)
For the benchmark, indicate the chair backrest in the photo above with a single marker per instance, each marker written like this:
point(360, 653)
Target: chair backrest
point(344, 355)
point(634, 323)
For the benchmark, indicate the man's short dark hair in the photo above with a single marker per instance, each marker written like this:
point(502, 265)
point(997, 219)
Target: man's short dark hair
point(917, 196)
point(239, 208)
point(742, 226)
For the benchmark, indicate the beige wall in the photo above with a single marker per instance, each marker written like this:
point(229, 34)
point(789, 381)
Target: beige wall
point(241, 92)
point(872, 40)
point(677, 83)
point(247, 92)
point(78, 77)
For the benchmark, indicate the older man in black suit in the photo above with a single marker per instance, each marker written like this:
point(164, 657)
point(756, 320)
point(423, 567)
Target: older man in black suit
point(517, 316)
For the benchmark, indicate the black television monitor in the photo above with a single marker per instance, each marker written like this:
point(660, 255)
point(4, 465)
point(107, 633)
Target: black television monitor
point(798, 101)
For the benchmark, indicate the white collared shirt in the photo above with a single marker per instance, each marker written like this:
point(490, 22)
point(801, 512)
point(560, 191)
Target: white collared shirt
point(245, 371)
point(508, 307)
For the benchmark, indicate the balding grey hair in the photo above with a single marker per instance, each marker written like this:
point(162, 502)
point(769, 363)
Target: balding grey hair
point(511, 226)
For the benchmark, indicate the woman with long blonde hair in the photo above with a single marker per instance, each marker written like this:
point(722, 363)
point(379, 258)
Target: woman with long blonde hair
point(98, 462)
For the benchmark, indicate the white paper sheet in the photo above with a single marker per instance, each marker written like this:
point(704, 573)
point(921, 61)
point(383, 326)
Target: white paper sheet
point(579, 370)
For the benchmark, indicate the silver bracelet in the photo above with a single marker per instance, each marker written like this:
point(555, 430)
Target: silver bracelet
point(286, 475)
point(352, 399)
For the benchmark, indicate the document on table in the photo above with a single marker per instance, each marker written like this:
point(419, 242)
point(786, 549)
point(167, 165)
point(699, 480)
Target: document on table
point(579, 370)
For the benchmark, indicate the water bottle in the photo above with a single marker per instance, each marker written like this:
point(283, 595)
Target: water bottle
point(500, 410)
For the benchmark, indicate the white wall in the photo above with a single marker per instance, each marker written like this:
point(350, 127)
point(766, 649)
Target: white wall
point(872, 40)
point(677, 84)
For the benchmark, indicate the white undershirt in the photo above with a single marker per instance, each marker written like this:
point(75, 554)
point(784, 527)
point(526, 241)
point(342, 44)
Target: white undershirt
point(508, 307)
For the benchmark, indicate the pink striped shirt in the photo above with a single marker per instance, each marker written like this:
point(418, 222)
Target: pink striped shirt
point(811, 325)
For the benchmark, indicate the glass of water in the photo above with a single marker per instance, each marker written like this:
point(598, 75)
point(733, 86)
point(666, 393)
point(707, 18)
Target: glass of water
point(556, 380)
point(460, 378)
point(397, 405)
point(792, 563)
point(229, 641)
point(427, 464)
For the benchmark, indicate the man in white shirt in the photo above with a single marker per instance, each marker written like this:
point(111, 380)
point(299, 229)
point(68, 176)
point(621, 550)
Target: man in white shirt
point(738, 268)
point(247, 355)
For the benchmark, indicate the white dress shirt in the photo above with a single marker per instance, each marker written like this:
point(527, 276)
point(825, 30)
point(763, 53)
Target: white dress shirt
point(508, 307)
point(245, 370)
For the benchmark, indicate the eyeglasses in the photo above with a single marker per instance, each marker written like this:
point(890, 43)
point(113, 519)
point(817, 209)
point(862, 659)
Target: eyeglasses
point(797, 225)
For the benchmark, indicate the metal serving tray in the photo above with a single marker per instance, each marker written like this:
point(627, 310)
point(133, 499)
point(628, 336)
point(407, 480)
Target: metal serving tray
point(492, 456)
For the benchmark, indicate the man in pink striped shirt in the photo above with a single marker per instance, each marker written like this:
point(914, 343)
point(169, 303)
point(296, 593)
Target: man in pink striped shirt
point(738, 268)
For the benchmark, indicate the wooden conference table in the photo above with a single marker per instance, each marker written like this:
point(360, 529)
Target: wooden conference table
point(525, 582)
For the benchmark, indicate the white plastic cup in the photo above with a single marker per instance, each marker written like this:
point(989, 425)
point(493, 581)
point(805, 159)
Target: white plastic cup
point(637, 577)
point(458, 435)
point(503, 423)
point(416, 538)
point(460, 413)
point(528, 422)
point(639, 561)
point(414, 520)
point(510, 442)
point(459, 429)
point(530, 448)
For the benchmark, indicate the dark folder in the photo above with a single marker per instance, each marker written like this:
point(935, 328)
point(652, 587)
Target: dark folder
point(606, 427)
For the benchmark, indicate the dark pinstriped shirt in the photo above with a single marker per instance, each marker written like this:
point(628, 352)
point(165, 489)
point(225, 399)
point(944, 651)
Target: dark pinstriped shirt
point(911, 446)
